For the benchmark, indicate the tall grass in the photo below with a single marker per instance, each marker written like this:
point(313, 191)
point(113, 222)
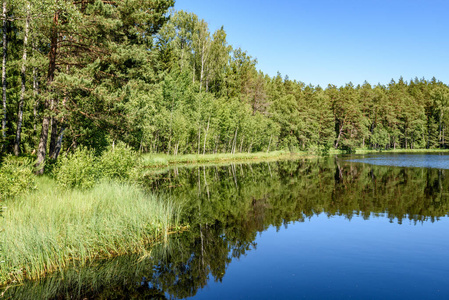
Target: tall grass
point(53, 227)
point(100, 279)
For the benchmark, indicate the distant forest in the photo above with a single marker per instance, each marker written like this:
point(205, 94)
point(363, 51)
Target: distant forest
point(90, 73)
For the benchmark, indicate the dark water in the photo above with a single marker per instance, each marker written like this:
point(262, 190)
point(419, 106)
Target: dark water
point(310, 229)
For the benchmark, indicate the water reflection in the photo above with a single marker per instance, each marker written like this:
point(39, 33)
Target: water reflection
point(227, 206)
point(419, 160)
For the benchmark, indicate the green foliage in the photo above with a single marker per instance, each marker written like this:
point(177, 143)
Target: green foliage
point(82, 169)
point(164, 83)
point(16, 177)
point(380, 137)
point(77, 169)
point(117, 162)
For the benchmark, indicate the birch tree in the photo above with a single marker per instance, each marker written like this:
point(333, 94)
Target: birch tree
point(22, 80)
point(5, 48)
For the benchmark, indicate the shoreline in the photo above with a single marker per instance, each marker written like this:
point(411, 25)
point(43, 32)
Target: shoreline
point(165, 160)
point(66, 227)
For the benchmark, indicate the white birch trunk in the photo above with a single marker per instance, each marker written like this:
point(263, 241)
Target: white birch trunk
point(23, 81)
point(5, 43)
point(205, 136)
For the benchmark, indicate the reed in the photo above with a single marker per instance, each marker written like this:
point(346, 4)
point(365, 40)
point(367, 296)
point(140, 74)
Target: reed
point(53, 227)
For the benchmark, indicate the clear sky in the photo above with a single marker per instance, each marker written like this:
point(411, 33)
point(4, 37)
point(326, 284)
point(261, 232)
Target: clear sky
point(336, 41)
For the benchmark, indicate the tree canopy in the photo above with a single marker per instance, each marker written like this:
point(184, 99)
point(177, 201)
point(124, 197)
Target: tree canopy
point(95, 72)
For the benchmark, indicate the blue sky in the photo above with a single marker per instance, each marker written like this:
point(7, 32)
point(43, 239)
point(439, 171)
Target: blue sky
point(325, 41)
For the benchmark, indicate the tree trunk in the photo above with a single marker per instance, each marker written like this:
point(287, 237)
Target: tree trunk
point(202, 69)
point(339, 134)
point(234, 141)
point(269, 144)
point(199, 139)
point(229, 145)
point(54, 130)
point(241, 143)
point(205, 136)
point(59, 143)
point(54, 124)
point(5, 43)
point(42, 151)
point(217, 139)
point(35, 92)
point(23, 79)
point(444, 146)
point(204, 55)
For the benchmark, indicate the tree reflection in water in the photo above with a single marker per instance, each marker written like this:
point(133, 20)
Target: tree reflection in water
point(226, 206)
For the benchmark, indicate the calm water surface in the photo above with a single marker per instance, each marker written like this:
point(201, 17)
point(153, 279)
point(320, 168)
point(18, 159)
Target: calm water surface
point(349, 227)
point(419, 160)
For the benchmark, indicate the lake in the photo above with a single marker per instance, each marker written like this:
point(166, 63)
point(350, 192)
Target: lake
point(353, 226)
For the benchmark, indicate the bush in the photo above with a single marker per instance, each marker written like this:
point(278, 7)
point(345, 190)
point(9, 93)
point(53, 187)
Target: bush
point(78, 169)
point(117, 162)
point(82, 169)
point(16, 176)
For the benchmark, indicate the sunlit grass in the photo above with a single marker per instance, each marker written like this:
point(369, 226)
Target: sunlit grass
point(161, 160)
point(52, 227)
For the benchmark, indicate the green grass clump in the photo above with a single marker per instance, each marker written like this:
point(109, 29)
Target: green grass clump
point(53, 227)
point(16, 176)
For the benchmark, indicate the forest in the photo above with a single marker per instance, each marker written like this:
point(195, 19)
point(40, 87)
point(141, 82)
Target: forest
point(94, 73)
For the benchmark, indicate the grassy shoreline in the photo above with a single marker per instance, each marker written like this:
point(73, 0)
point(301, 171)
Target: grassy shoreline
point(164, 160)
point(51, 228)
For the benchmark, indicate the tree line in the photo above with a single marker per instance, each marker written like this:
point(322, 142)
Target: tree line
point(96, 72)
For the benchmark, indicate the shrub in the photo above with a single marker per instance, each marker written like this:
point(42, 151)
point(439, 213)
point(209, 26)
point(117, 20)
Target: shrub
point(16, 176)
point(77, 169)
point(117, 162)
